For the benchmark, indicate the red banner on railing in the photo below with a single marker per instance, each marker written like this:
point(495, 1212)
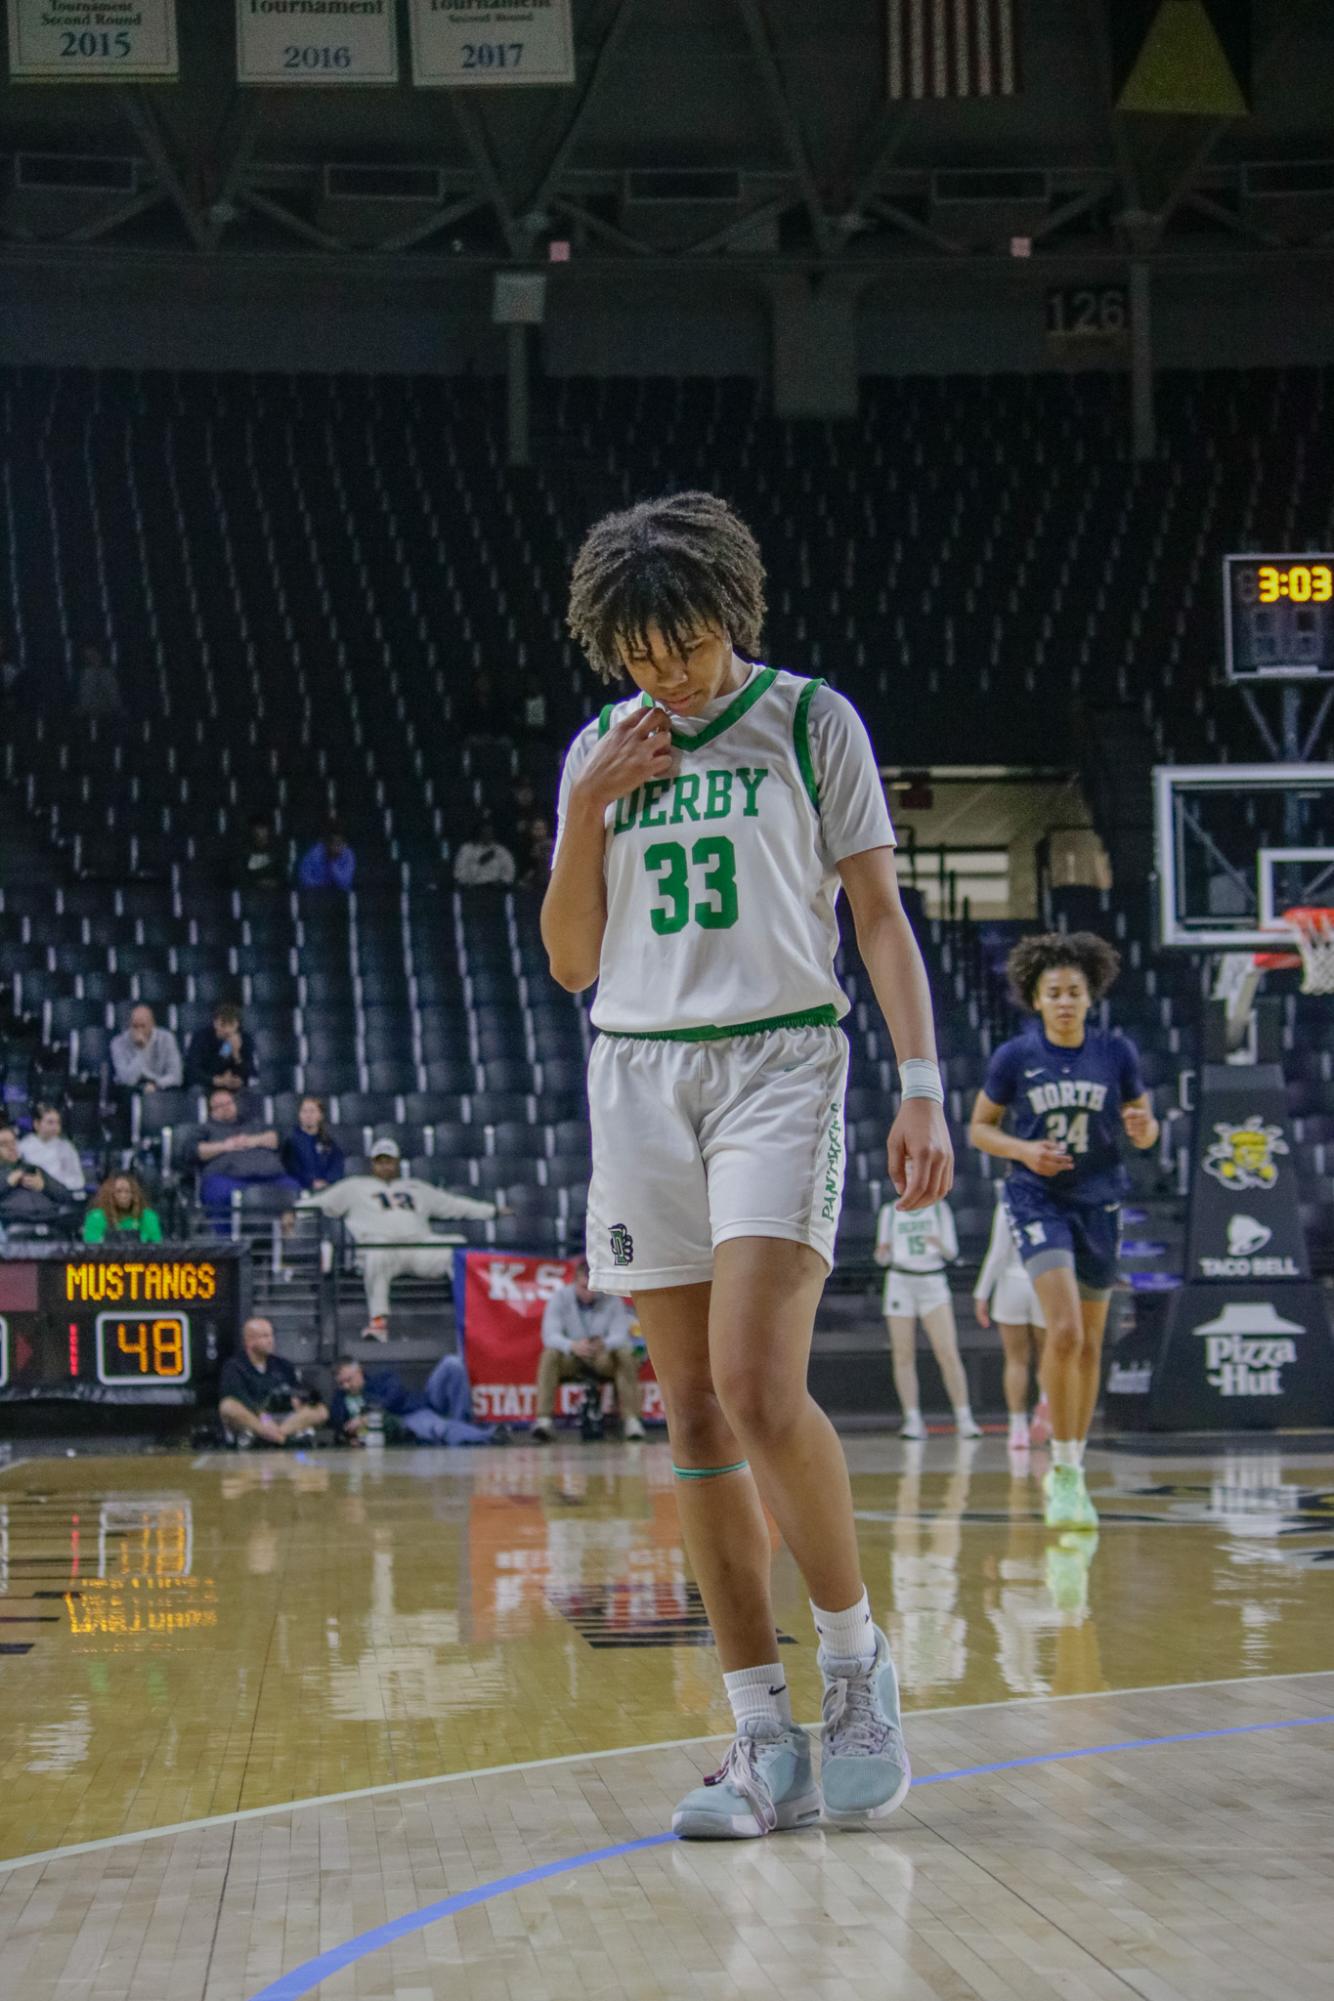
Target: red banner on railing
point(499, 1300)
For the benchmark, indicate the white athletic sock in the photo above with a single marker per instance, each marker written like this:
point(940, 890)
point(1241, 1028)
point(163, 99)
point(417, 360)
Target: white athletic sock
point(1065, 1452)
point(849, 1635)
point(1080, 1443)
point(759, 1698)
point(1018, 1428)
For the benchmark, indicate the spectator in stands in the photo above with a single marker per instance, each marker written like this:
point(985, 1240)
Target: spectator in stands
point(46, 1147)
point(311, 1154)
point(483, 712)
point(483, 860)
point(388, 1217)
point(121, 1208)
point(99, 689)
point(221, 1056)
point(330, 864)
point(145, 1057)
point(438, 1414)
point(537, 863)
point(261, 1398)
point(586, 1333)
point(260, 865)
point(235, 1152)
point(30, 1198)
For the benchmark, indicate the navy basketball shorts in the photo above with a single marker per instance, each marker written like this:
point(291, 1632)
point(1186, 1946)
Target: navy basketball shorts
point(1083, 1237)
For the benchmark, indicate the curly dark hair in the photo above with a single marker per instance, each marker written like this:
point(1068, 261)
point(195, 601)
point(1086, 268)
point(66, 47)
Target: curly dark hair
point(677, 563)
point(1098, 961)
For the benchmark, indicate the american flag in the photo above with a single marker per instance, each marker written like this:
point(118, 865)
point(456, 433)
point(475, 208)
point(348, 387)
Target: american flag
point(953, 48)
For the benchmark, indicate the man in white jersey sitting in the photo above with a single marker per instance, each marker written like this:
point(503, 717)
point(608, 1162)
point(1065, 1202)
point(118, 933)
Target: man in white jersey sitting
point(389, 1209)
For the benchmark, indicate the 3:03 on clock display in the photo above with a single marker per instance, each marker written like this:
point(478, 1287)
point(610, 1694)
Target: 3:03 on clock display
point(1278, 617)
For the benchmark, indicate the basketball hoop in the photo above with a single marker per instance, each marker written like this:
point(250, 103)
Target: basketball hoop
point(1312, 929)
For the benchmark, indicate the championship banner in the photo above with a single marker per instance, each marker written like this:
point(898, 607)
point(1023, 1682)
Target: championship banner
point(499, 1299)
point(94, 41)
point(458, 43)
point(316, 41)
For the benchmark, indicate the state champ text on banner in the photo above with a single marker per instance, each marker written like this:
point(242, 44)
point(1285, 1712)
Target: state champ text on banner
point(92, 41)
point(459, 43)
point(316, 41)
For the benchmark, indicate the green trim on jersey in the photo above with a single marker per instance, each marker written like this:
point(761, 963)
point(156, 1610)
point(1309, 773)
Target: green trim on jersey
point(733, 713)
point(604, 720)
point(801, 740)
point(812, 1017)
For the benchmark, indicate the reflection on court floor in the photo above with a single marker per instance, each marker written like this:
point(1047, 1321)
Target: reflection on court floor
point(234, 1635)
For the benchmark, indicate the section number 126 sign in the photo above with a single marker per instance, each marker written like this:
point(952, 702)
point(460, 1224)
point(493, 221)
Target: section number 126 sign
point(92, 40)
point(456, 43)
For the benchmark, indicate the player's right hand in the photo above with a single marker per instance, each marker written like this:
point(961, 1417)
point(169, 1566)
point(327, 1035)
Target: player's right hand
point(637, 747)
point(1047, 1157)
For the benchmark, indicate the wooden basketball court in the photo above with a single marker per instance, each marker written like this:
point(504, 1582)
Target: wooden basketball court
point(411, 1725)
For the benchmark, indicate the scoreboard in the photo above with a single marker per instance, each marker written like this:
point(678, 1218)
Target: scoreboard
point(137, 1327)
point(1278, 618)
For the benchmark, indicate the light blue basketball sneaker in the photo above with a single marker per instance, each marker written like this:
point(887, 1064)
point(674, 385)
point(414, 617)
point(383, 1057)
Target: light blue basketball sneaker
point(864, 1768)
point(766, 1783)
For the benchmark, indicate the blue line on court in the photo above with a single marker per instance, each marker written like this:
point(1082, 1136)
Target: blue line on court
point(303, 1980)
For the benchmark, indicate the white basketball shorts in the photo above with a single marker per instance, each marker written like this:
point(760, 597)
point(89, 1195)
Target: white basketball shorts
point(1014, 1302)
point(909, 1294)
point(698, 1142)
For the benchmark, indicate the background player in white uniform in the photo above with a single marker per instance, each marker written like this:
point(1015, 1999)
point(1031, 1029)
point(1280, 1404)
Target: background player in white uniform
point(706, 827)
point(1004, 1293)
point(390, 1208)
point(917, 1245)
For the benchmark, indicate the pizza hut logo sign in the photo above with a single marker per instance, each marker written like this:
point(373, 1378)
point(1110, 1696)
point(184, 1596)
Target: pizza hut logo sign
point(1247, 1347)
point(1246, 1156)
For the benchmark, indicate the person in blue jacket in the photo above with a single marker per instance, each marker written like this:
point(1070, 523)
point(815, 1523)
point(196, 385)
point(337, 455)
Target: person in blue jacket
point(1072, 1093)
point(330, 864)
point(311, 1154)
point(440, 1413)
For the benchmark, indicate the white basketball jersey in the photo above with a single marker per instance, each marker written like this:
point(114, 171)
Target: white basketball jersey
point(918, 1240)
point(722, 877)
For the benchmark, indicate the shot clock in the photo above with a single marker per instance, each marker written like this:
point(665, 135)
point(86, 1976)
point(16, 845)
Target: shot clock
point(150, 1327)
point(1278, 618)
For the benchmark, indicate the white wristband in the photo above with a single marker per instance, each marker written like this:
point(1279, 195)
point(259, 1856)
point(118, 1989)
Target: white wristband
point(921, 1079)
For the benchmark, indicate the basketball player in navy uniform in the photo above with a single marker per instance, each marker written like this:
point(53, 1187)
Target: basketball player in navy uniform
point(1070, 1091)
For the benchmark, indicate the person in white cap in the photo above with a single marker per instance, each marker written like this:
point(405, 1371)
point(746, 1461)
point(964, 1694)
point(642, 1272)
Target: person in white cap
point(388, 1215)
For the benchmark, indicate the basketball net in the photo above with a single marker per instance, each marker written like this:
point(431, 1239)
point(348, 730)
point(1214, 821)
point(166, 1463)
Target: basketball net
point(1313, 932)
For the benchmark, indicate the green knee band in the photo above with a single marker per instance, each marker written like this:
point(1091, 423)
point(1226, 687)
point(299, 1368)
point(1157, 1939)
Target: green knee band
point(708, 1472)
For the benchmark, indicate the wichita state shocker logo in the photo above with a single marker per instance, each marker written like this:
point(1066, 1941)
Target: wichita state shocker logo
point(1244, 1156)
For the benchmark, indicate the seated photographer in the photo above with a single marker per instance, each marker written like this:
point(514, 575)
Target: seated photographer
point(438, 1414)
point(586, 1334)
point(261, 1398)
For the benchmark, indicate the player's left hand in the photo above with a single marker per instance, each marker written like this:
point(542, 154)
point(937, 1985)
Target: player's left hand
point(921, 1158)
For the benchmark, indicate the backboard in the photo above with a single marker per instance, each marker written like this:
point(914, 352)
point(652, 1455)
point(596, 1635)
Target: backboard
point(1236, 845)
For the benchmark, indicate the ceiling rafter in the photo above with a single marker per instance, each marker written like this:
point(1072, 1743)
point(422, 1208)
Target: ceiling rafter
point(794, 142)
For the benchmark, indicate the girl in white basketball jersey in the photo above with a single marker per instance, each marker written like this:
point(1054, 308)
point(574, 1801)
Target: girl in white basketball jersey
point(916, 1245)
point(707, 825)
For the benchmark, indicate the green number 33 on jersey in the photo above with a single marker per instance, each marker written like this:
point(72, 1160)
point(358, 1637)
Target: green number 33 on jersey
point(713, 860)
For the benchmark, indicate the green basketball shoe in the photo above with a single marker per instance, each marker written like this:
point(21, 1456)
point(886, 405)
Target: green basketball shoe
point(1066, 1496)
